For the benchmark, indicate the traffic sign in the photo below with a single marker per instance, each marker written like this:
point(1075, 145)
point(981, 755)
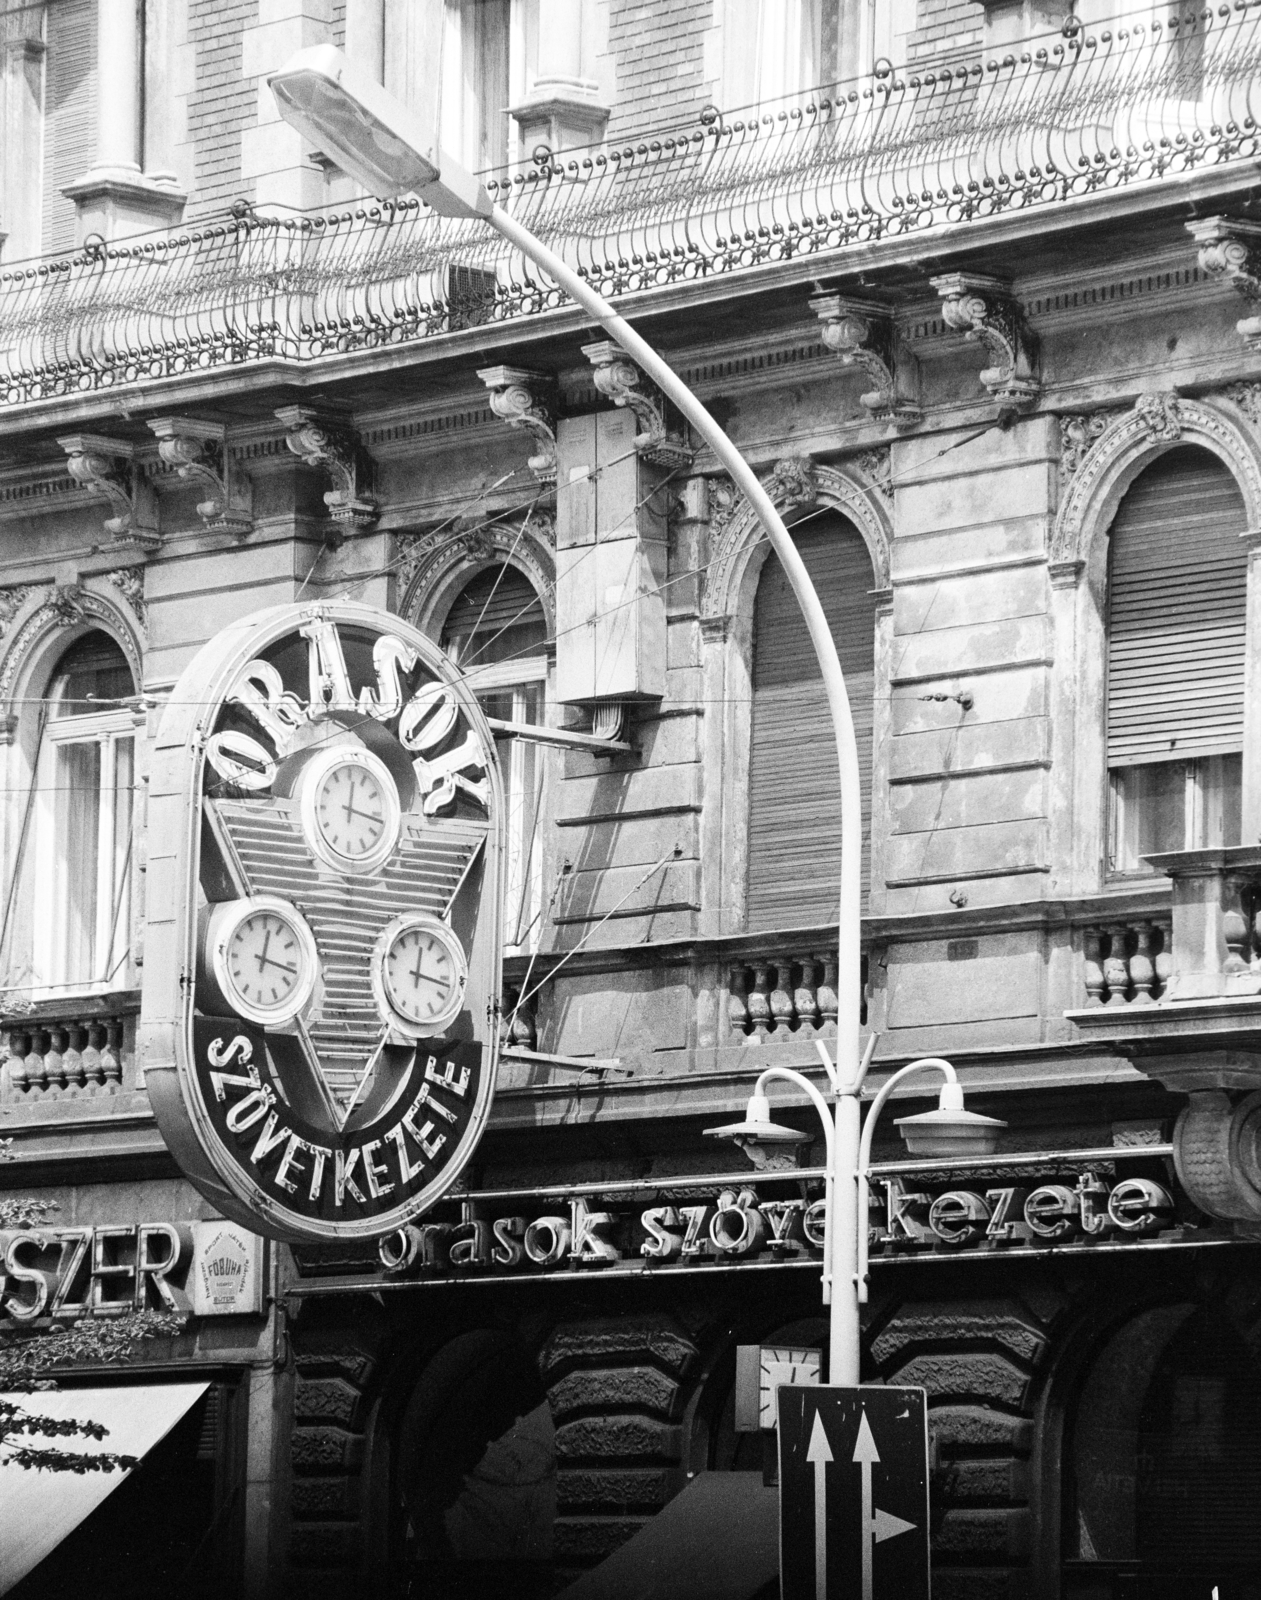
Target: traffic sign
point(853, 1493)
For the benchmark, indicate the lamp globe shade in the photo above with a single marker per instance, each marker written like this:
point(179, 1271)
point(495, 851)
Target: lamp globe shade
point(950, 1131)
point(757, 1126)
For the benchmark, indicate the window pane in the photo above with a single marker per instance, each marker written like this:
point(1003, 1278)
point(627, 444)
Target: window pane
point(1221, 789)
point(117, 938)
point(77, 775)
point(1150, 816)
point(93, 675)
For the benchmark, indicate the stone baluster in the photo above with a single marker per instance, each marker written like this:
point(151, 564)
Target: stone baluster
point(1142, 965)
point(805, 999)
point(19, 1045)
point(1164, 957)
point(35, 1060)
point(1092, 951)
point(76, 1038)
point(524, 1034)
point(781, 999)
point(112, 1055)
point(737, 1001)
point(1237, 931)
point(826, 994)
point(760, 1002)
point(1116, 971)
point(93, 1076)
point(55, 1059)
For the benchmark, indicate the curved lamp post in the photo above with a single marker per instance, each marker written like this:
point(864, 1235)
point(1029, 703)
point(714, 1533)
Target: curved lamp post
point(393, 150)
point(950, 1130)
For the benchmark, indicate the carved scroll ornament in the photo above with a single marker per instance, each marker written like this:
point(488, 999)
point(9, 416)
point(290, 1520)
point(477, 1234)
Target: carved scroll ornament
point(198, 452)
point(861, 332)
point(108, 467)
point(983, 309)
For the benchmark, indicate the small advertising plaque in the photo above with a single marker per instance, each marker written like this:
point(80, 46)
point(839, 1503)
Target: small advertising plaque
point(227, 1271)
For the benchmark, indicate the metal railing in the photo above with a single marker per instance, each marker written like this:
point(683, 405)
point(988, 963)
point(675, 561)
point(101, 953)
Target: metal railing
point(1066, 116)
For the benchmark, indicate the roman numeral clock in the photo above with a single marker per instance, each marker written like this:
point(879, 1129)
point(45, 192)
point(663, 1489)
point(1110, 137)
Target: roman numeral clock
point(322, 960)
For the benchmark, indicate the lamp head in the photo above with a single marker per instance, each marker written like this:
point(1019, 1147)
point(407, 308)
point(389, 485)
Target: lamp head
point(950, 1130)
point(379, 141)
point(757, 1127)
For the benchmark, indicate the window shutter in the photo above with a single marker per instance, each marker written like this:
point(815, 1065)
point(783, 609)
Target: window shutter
point(494, 618)
point(1176, 614)
point(69, 113)
point(794, 871)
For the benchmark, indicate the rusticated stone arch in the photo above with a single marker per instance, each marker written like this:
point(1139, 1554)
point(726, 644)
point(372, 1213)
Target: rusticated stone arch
point(616, 1391)
point(438, 565)
point(981, 1362)
point(1157, 423)
point(797, 486)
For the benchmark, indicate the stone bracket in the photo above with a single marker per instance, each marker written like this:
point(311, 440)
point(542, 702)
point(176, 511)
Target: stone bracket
point(198, 453)
point(984, 310)
point(333, 446)
point(109, 467)
point(1230, 248)
point(862, 333)
point(617, 377)
point(526, 400)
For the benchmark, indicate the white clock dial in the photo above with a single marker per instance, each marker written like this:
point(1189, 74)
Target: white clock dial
point(262, 959)
point(782, 1365)
point(350, 809)
point(420, 975)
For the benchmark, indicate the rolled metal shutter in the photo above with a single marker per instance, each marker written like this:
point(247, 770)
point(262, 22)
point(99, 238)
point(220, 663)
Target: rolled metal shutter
point(794, 871)
point(1177, 600)
point(69, 113)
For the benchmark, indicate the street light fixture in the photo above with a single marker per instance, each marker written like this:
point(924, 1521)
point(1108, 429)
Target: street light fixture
point(951, 1130)
point(393, 150)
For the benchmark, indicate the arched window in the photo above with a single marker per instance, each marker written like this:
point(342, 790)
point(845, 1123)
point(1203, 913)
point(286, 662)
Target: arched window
point(1177, 606)
point(497, 632)
point(794, 841)
point(78, 866)
point(1165, 1468)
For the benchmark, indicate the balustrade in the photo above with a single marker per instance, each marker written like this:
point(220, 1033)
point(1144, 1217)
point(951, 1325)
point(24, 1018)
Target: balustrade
point(1127, 962)
point(54, 1059)
point(778, 996)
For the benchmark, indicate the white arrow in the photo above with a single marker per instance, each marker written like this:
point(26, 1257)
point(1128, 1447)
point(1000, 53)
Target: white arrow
point(877, 1526)
point(818, 1454)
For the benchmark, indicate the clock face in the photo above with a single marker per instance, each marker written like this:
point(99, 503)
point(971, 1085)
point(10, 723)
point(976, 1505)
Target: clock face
point(421, 975)
point(263, 959)
point(783, 1365)
point(350, 809)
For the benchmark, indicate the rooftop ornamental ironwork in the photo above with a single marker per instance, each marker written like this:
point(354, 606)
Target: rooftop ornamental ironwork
point(1066, 116)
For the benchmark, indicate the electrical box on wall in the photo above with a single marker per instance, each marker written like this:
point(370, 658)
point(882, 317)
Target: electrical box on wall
point(610, 563)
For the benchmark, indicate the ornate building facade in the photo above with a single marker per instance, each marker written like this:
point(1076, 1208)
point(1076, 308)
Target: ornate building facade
point(981, 313)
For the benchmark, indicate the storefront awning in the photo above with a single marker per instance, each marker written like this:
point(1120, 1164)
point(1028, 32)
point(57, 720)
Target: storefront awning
point(718, 1540)
point(38, 1509)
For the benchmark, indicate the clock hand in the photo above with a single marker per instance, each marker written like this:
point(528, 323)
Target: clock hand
point(372, 816)
point(280, 964)
point(262, 958)
point(349, 806)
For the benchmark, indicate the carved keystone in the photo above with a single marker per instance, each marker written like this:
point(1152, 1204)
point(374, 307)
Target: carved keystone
point(1230, 248)
point(984, 310)
point(108, 467)
point(333, 446)
point(617, 376)
point(526, 400)
point(198, 453)
point(861, 332)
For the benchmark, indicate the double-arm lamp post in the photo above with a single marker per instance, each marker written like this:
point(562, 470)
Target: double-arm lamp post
point(393, 149)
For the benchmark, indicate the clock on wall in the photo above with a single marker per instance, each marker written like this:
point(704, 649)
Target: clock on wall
point(259, 959)
point(760, 1371)
point(349, 807)
point(419, 975)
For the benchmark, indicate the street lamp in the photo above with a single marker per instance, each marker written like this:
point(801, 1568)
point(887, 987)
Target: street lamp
point(393, 150)
point(950, 1130)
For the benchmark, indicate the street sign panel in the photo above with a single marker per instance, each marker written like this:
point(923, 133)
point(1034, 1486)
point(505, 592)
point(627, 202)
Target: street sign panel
point(853, 1493)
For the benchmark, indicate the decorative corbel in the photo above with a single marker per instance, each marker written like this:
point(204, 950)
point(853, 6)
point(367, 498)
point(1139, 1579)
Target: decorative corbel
point(333, 446)
point(1230, 248)
point(861, 332)
point(198, 453)
point(617, 376)
point(793, 481)
point(526, 400)
point(109, 467)
point(983, 309)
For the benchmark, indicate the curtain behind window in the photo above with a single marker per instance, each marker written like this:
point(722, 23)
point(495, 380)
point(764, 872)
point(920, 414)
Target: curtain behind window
point(771, 48)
